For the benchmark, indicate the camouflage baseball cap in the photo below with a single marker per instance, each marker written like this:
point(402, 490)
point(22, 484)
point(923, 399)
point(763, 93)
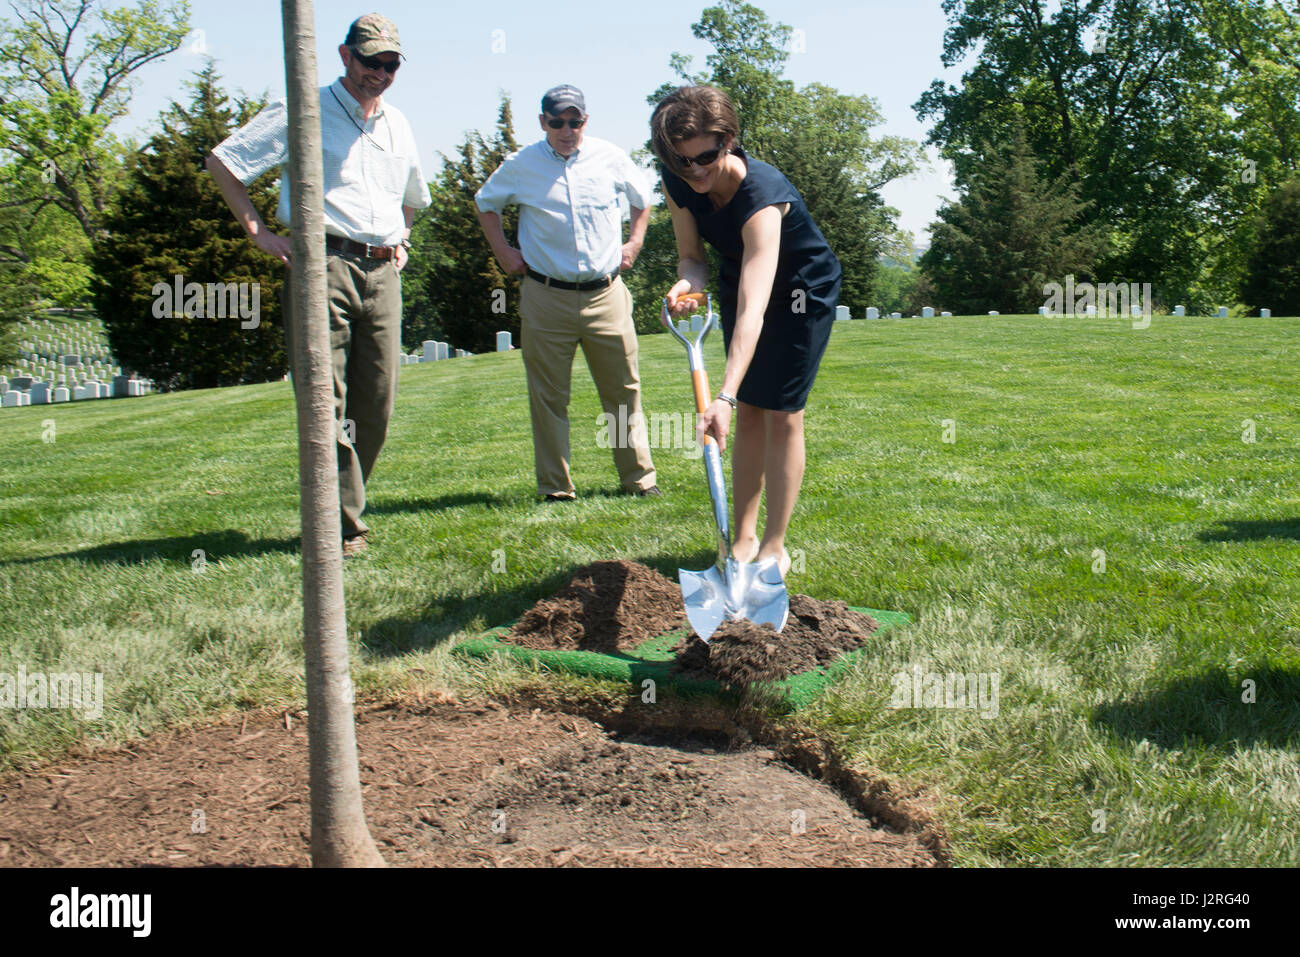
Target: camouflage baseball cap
point(373, 34)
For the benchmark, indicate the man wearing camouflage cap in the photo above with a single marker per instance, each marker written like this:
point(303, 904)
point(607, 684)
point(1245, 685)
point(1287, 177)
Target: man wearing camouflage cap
point(571, 249)
point(373, 187)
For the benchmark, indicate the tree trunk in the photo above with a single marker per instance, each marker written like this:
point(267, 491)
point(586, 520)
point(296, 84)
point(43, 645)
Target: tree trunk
point(339, 836)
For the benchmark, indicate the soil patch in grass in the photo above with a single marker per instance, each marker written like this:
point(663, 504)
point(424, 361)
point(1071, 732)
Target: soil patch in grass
point(450, 784)
point(613, 606)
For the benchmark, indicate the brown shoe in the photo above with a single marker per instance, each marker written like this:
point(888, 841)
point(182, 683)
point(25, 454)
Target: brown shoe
point(354, 545)
point(651, 492)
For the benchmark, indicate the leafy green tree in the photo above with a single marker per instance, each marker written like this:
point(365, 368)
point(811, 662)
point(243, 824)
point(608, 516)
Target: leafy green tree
point(817, 136)
point(456, 288)
point(1010, 234)
point(66, 68)
point(1272, 279)
point(1119, 96)
point(654, 273)
point(169, 221)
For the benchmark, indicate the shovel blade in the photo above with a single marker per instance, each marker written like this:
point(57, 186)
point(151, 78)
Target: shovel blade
point(747, 592)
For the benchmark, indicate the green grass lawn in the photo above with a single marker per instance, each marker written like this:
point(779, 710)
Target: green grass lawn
point(1097, 533)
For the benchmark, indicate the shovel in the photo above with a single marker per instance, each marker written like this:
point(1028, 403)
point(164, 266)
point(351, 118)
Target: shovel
point(730, 590)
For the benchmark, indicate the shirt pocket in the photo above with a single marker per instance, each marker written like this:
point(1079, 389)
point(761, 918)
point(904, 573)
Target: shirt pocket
point(388, 175)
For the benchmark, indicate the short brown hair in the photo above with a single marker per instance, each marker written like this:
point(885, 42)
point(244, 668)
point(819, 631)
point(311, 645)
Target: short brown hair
point(688, 112)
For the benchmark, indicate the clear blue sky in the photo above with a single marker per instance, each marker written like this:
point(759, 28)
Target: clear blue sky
point(615, 52)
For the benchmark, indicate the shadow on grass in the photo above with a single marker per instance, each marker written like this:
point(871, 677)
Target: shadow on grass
point(1208, 709)
point(230, 543)
point(384, 506)
point(1252, 531)
point(442, 616)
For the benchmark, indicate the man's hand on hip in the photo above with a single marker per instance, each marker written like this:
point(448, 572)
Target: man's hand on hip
point(273, 244)
point(630, 252)
point(512, 261)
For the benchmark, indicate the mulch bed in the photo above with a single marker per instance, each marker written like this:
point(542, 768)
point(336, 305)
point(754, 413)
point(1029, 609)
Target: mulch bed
point(446, 784)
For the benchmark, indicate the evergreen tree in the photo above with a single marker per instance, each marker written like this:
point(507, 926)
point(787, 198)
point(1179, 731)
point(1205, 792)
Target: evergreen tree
point(456, 288)
point(1273, 270)
point(171, 221)
point(1011, 234)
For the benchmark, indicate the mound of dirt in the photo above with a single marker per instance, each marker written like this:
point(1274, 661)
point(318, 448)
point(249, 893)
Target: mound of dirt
point(742, 653)
point(605, 607)
point(613, 606)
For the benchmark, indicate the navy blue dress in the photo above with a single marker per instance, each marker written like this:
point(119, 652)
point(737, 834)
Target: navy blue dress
point(792, 342)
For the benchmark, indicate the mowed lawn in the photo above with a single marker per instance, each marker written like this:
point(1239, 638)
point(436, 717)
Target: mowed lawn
point(1104, 518)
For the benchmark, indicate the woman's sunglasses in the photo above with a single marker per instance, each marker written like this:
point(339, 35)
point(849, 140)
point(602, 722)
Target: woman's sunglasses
point(374, 63)
point(707, 158)
point(573, 124)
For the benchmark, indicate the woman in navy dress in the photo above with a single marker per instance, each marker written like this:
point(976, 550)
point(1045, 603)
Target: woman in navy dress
point(778, 288)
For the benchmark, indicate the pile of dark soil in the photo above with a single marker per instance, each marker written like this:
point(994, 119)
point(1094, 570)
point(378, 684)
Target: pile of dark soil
point(606, 607)
point(613, 606)
point(742, 653)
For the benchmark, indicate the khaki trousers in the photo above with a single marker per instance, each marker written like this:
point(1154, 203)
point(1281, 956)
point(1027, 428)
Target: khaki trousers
point(553, 323)
point(365, 315)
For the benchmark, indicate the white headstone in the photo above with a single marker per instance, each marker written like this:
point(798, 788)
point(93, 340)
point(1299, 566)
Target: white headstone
point(11, 398)
point(697, 322)
point(1180, 311)
point(683, 326)
point(24, 398)
point(443, 350)
point(105, 390)
point(927, 312)
point(873, 312)
point(895, 315)
point(1135, 310)
point(4, 385)
point(61, 394)
point(430, 351)
point(842, 314)
point(1042, 310)
point(946, 314)
point(503, 342)
point(1266, 314)
point(1092, 309)
point(40, 393)
point(1223, 312)
point(994, 312)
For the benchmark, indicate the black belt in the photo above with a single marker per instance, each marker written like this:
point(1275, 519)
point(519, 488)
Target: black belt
point(600, 283)
point(339, 244)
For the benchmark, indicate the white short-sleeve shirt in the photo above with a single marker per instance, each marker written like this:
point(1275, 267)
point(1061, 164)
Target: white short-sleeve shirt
point(570, 220)
point(371, 166)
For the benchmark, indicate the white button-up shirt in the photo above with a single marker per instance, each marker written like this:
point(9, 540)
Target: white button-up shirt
point(570, 222)
point(371, 166)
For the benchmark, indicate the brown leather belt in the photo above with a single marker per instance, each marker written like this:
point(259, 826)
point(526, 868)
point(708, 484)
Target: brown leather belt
point(339, 244)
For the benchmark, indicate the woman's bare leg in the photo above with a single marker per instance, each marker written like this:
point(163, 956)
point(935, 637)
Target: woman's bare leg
point(784, 467)
point(748, 455)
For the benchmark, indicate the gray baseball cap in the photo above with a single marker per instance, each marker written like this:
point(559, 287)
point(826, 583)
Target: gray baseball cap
point(560, 98)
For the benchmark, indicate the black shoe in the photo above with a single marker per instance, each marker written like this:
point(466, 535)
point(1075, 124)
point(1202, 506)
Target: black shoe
point(651, 492)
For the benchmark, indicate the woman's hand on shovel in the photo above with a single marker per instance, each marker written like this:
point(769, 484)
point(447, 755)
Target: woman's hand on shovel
point(681, 301)
point(716, 422)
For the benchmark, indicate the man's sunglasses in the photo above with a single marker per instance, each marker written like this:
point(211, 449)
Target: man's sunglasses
point(558, 124)
point(374, 63)
point(707, 158)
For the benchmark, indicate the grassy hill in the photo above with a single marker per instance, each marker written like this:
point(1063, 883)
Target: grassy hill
point(1112, 530)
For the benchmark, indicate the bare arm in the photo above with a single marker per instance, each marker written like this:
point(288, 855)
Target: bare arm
point(511, 259)
point(236, 196)
point(692, 261)
point(639, 219)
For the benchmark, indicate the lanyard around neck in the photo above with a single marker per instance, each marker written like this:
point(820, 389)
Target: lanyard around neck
point(361, 128)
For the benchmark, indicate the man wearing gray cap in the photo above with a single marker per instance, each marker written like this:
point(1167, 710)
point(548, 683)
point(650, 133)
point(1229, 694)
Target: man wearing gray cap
point(373, 187)
point(571, 248)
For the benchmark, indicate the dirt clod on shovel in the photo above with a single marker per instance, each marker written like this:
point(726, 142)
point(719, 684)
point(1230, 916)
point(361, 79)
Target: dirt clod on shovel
point(605, 607)
point(743, 653)
point(613, 606)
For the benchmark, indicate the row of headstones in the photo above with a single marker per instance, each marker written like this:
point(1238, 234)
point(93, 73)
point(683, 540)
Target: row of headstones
point(434, 351)
point(25, 391)
point(842, 314)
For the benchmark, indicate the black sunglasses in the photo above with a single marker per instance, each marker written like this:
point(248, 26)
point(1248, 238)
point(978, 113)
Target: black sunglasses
point(573, 124)
point(374, 63)
point(707, 158)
